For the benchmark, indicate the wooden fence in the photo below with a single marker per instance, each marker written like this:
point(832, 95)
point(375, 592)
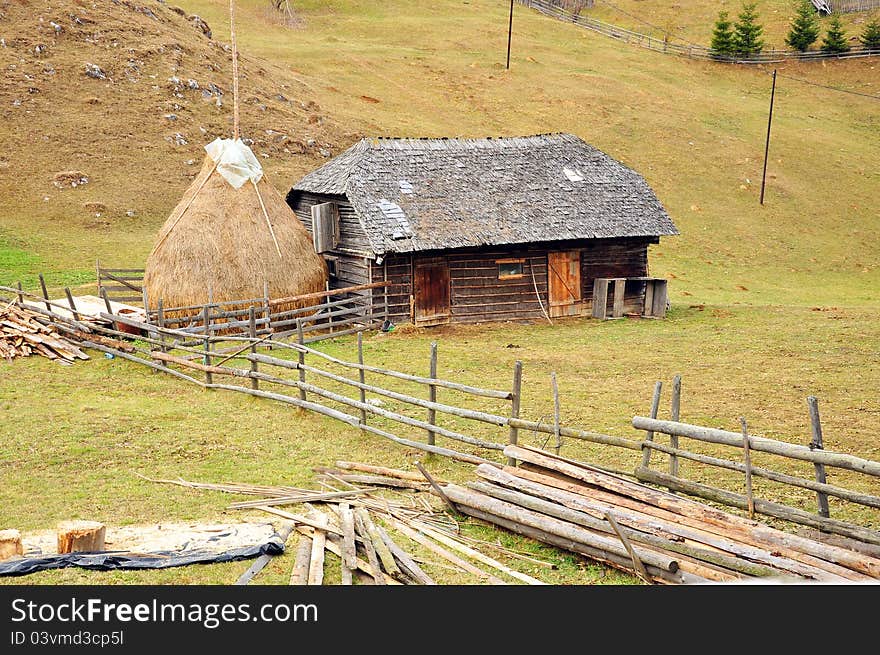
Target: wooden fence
point(747, 445)
point(339, 389)
point(120, 284)
point(665, 45)
point(850, 6)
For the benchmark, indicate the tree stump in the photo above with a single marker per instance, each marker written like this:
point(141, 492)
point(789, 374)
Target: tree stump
point(10, 544)
point(80, 537)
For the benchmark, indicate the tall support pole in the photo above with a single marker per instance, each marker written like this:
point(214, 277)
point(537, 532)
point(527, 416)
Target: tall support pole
point(767, 145)
point(236, 131)
point(509, 33)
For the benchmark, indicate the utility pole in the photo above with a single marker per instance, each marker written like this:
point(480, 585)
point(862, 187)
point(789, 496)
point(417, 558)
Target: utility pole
point(509, 34)
point(767, 146)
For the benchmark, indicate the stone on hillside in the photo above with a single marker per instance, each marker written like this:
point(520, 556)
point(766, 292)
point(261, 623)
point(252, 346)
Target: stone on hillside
point(200, 24)
point(70, 179)
point(94, 71)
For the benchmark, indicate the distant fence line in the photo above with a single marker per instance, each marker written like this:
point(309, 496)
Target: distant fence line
point(850, 6)
point(555, 9)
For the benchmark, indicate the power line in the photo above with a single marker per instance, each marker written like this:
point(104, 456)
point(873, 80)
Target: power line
point(830, 88)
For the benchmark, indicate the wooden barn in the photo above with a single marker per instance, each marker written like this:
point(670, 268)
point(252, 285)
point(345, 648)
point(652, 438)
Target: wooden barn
point(470, 230)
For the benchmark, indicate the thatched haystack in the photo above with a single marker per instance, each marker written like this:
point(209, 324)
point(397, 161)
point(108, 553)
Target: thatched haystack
point(218, 239)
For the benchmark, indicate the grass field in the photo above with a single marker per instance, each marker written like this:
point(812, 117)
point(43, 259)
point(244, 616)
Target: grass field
point(769, 304)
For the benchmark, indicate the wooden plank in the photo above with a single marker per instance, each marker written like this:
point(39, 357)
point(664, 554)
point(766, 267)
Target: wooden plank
point(349, 553)
point(372, 557)
point(407, 563)
point(600, 297)
point(634, 556)
point(316, 560)
point(619, 293)
point(261, 562)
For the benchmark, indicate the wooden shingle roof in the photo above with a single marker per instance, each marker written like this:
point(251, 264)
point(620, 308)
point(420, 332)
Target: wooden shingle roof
point(431, 194)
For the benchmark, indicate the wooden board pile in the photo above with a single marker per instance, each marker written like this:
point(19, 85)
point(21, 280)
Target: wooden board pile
point(352, 521)
point(661, 537)
point(22, 335)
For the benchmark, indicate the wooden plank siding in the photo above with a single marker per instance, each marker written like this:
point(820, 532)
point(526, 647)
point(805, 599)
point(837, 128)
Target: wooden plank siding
point(615, 258)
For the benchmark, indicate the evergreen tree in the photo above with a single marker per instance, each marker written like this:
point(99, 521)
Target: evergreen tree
point(747, 32)
point(870, 38)
point(804, 27)
point(722, 36)
point(835, 39)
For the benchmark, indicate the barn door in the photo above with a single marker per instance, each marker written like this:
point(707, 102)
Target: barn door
point(564, 273)
point(431, 291)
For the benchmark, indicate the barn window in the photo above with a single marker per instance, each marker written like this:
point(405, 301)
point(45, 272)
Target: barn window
point(332, 269)
point(509, 269)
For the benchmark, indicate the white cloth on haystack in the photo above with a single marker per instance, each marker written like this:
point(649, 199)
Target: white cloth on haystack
point(235, 161)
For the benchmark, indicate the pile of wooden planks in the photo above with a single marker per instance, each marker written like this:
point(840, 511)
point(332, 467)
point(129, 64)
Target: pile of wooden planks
point(22, 335)
point(661, 537)
point(364, 530)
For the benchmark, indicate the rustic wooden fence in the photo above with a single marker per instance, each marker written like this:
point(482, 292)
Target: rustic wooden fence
point(665, 45)
point(339, 389)
point(747, 445)
point(850, 6)
point(120, 284)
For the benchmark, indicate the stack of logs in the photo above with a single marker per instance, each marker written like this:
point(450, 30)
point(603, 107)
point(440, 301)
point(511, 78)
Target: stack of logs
point(22, 335)
point(661, 537)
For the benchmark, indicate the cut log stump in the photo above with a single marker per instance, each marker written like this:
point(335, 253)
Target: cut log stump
point(10, 544)
point(80, 537)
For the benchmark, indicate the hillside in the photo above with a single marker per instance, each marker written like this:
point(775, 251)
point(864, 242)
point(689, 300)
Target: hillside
point(126, 95)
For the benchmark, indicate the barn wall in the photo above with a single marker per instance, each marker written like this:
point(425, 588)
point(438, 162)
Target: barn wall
point(615, 258)
point(351, 234)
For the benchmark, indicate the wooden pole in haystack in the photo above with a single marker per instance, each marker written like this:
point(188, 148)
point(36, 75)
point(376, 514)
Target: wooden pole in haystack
point(236, 132)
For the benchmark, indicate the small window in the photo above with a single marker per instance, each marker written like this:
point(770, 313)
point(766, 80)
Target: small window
point(509, 269)
point(331, 266)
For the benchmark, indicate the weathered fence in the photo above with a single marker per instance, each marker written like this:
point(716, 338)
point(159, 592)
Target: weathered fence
point(120, 284)
point(746, 444)
point(339, 389)
point(850, 6)
point(666, 45)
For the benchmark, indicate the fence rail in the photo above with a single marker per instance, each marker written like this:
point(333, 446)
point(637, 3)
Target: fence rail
point(692, 51)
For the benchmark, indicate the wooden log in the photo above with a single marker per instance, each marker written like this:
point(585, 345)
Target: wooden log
point(675, 415)
point(747, 463)
point(516, 400)
point(380, 481)
point(461, 496)
point(649, 434)
point(642, 528)
point(316, 560)
point(717, 529)
point(766, 507)
point(382, 550)
point(615, 561)
point(816, 444)
point(316, 525)
point(473, 553)
point(20, 294)
point(380, 470)
point(689, 508)
point(432, 391)
point(300, 573)
point(334, 547)
point(828, 489)
point(261, 562)
point(555, 388)
point(794, 451)
point(442, 552)
point(349, 548)
point(71, 303)
point(437, 488)
point(372, 557)
point(81, 537)
point(10, 544)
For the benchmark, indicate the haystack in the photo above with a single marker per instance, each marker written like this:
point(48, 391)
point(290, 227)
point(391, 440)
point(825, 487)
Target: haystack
point(229, 242)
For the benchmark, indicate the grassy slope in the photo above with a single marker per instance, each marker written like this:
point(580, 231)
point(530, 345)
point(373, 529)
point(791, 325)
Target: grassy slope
point(695, 130)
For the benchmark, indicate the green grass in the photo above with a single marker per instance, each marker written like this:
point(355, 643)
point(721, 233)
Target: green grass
point(769, 304)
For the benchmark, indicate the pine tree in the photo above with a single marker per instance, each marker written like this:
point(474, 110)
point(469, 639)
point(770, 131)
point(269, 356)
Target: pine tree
point(835, 39)
point(722, 36)
point(804, 27)
point(870, 38)
point(747, 32)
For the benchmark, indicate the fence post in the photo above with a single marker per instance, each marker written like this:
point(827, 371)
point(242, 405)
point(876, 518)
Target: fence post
point(747, 460)
point(302, 357)
point(110, 309)
point(649, 434)
point(71, 303)
point(516, 397)
point(556, 433)
point(160, 319)
point(675, 415)
point(252, 326)
point(20, 296)
point(816, 444)
point(362, 375)
point(432, 392)
point(268, 309)
point(206, 317)
point(45, 293)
